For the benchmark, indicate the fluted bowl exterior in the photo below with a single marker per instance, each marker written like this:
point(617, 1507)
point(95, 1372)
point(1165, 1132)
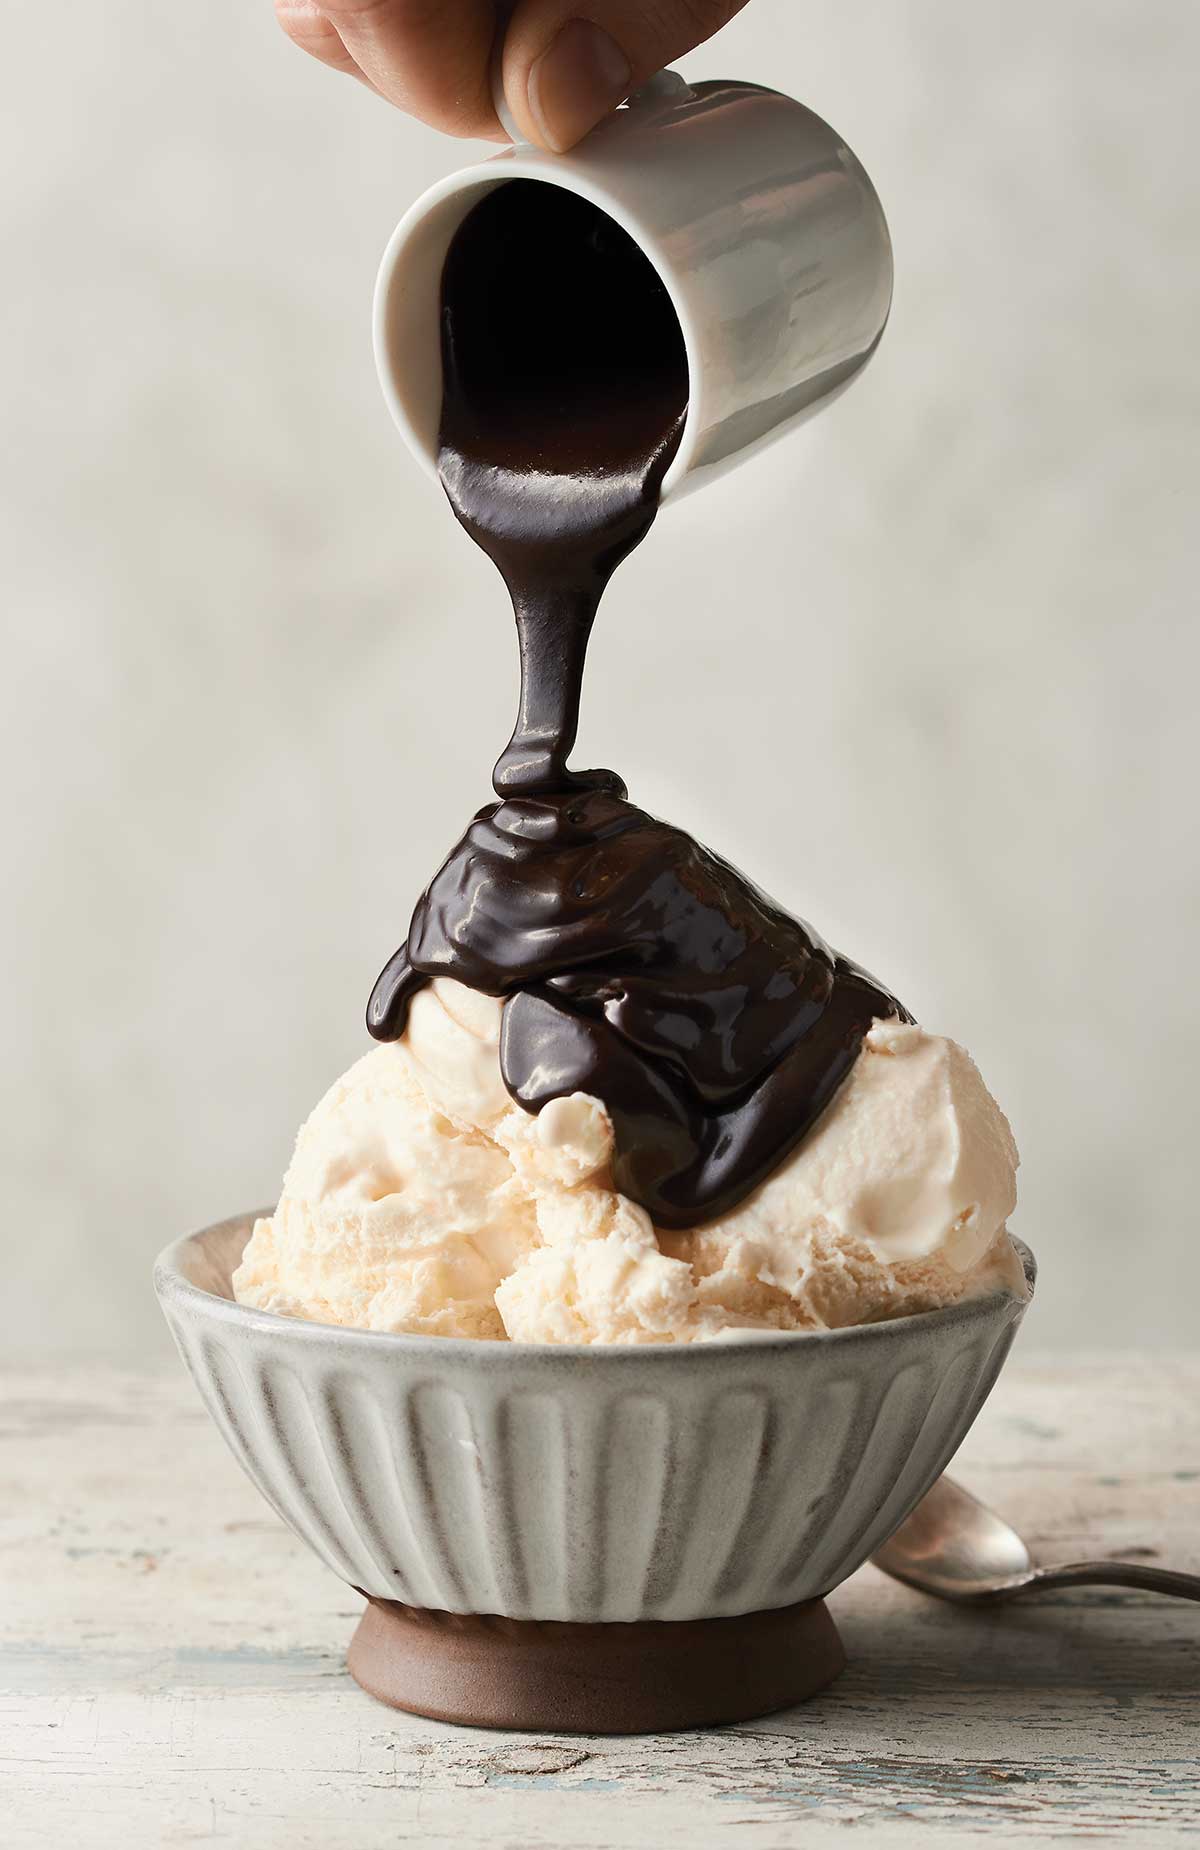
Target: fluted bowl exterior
point(601, 1483)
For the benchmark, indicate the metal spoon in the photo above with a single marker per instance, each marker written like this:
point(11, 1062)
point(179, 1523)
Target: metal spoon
point(954, 1547)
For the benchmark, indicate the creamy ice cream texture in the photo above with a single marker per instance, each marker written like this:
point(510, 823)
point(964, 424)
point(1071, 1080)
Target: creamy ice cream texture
point(421, 1198)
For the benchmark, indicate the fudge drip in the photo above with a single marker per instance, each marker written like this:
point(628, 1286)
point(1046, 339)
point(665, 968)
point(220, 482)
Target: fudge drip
point(634, 964)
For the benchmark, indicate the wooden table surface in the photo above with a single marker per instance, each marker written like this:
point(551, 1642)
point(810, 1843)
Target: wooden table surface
point(172, 1661)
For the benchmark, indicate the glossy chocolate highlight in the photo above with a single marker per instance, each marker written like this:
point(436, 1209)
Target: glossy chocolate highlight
point(635, 965)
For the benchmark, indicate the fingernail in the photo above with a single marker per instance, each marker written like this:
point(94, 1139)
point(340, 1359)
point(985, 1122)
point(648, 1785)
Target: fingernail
point(576, 82)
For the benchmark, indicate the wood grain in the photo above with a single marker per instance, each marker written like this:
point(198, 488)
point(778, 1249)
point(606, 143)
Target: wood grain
point(172, 1672)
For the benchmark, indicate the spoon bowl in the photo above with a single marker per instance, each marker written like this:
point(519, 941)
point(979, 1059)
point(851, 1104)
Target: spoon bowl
point(955, 1548)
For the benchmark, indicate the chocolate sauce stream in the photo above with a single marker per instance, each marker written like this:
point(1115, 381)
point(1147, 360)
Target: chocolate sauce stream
point(635, 965)
point(560, 415)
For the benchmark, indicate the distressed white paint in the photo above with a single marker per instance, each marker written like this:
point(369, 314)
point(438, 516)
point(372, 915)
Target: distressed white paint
point(171, 1662)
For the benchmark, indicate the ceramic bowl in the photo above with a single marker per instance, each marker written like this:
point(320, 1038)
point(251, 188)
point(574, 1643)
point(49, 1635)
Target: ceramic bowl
point(584, 1484)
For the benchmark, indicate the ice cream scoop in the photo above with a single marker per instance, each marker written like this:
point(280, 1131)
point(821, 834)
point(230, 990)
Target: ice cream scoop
point(421, 1197)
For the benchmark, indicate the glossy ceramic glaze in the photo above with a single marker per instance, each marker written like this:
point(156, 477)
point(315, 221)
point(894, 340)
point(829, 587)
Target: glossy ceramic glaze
point(584, 1483)
point(763, 225)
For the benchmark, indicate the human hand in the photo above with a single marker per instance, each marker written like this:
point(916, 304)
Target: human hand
point(563, 70)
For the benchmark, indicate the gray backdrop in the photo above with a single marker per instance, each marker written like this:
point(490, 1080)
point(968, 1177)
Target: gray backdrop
point(955, 724)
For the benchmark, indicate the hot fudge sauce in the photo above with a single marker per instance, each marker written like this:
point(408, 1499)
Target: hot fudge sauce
point(635, 965)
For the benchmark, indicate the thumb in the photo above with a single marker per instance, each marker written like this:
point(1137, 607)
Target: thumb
point(568, 63)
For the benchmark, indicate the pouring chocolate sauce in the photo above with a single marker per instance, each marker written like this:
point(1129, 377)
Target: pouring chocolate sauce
point(634, 964)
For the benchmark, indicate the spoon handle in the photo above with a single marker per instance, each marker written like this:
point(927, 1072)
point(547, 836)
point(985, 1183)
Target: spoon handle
point(1115, 1574)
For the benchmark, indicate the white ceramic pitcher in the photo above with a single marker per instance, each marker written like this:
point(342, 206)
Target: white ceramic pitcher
point(765, 229)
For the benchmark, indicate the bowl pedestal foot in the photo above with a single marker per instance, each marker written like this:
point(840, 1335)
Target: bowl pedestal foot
point(635, 1678)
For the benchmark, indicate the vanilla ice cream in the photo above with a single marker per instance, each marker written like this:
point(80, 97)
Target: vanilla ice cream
point(421, 1198)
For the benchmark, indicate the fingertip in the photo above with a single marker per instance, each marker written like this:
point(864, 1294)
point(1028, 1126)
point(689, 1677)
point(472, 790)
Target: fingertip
point(569, 86)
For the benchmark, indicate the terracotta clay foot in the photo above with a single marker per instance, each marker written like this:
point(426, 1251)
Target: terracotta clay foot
point(637, 1678)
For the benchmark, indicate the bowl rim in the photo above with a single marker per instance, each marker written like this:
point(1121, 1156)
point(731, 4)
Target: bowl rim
point(174, 1289)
